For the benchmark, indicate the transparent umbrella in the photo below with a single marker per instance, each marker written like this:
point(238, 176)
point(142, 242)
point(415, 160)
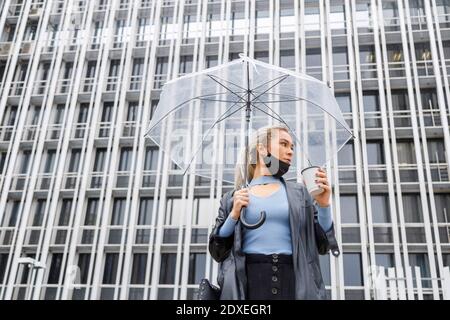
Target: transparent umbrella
point(204, 119)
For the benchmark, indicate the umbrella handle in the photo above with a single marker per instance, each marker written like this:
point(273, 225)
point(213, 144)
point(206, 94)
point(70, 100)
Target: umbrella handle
point(252, 226)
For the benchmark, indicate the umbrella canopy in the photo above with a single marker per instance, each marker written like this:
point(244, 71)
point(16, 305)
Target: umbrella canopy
point(201, 117)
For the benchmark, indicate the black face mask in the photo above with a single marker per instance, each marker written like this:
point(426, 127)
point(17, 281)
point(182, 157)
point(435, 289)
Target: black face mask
point(276, 167)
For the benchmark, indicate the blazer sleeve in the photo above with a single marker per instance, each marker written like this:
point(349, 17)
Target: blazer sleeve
point(220, 247)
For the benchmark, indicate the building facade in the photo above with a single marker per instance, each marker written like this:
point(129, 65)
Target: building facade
point(90, 209)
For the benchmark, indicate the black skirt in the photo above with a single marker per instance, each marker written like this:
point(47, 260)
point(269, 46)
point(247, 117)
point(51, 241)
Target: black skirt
point(270, 277)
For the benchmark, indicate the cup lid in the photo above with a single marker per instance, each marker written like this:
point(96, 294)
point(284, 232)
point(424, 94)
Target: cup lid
point(309, 168)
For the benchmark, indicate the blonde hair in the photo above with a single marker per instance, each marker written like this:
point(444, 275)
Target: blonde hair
point(261, 136)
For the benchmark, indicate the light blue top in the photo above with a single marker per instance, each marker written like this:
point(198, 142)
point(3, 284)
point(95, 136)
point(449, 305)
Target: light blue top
point(274, 236)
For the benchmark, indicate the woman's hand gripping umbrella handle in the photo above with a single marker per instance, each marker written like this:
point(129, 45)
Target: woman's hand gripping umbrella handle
point(240, 202)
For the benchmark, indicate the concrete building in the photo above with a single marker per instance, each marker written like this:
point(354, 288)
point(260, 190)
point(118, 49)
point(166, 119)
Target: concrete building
point(89, 209)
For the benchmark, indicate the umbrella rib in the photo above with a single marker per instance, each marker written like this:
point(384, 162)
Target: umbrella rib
point(221, 118)
point(264, 92)
point(317, 105)
point(278, 101)
point(182, 104)
point(228, 81)
point(226, 88)
point(281, 120)
point(263, 84)
point(214, 100)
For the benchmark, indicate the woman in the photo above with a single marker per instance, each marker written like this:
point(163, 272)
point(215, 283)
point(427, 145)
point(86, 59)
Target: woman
point(279, 260)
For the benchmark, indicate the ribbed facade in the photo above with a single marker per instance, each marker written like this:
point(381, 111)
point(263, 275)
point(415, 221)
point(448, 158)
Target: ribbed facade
point(83, 193)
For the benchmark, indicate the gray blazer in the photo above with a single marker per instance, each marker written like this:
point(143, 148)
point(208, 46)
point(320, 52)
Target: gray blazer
point(308, 241)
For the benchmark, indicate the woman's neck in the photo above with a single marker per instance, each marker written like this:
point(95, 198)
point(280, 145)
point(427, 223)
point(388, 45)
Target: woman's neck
point(261, 171)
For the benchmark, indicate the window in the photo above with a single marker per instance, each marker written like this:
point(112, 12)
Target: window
point(185, 64)
point(14, 213)
point(442, 202)
point(25, 162)
point(55, 268)
point(287, 59)
point(64, 215)
point(3, 156)
point(400, 100)
point(145, 211)
point(344, 102)
point(346, 156)
point(151, 158)
point(167, 274)
point(90, 71)
point(74, 163)
point(110, 270)
point(352, 269)
point(406, 153)
point(313, 57)
point(385, 260)
point(99, 162)
point(197, 263)
point(201, 214)
point(380, 208)
point(83, 263)
point(349, 209)
point(412, 208)
point(161, 66)
point(114, 68)
point(132, 111)
point(139, 267)
point(39, 213)
point(107, 111)
point(371, 102)
point(49, 161)
point(395, 52)
point(436, 151)
point(125, 159)
point(421, 260)
point(367, 54)
point(174, 209)
point(118, 211)
point(211, 61)
point(340, 57)
point(262, 56)
point(3, 264)
point(375, 153)
point(83, 113)
point(91, 212)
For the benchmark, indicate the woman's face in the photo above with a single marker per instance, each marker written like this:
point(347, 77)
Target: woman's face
point(280, 146)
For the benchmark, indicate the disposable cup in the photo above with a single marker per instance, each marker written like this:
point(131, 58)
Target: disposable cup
point(309, 176)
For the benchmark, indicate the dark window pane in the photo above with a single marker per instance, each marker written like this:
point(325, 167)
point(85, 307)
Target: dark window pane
point(55, 268)
point(167, 275)
point(349, 209)
point(118, 211)
point(375, 153)
point(110, 271)
point(380, 208)
point(139, 267)
point(352, 269)
point(64, 215)
point(91, 212)
point(385, 260)
point(412, 208)
point(197, 263)
point(145, 211)
point(83, 263)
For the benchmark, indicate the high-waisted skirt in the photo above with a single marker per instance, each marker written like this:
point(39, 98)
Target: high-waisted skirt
point(270, 277)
